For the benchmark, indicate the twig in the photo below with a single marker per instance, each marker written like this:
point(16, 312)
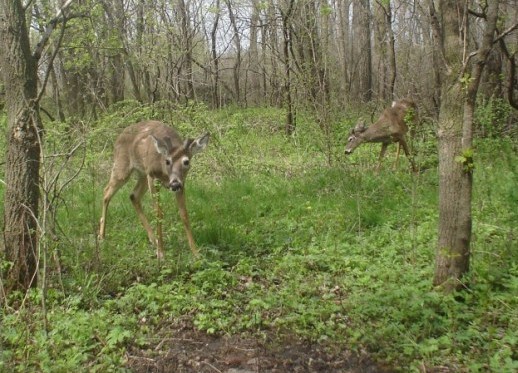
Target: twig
point(212, 366)
point(505, 33)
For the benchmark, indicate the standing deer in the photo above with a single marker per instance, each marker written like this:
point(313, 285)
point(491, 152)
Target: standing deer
point(389, 128)
point(155, 152)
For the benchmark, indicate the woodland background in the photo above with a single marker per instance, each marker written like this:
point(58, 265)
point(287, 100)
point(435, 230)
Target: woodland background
point(298, 241)
point(325, 54)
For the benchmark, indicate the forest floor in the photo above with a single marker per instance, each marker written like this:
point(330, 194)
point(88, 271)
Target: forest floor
point(182, 349)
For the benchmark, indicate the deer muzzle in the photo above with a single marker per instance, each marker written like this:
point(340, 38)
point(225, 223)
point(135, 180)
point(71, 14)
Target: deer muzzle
point(175, 185)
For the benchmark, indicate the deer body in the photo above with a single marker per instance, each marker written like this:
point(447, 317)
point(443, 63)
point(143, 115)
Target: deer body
point(389, 128)
point(153, 151)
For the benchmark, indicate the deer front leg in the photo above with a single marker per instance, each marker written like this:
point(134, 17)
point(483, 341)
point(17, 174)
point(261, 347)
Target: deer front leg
point(180, 199)
point(159, 218)
point(382, 154)
point(113, 186)
point(136, 198)
point(407, 153)
point(396, 163)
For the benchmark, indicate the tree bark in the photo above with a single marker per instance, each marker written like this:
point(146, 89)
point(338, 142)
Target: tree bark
point(236, 68)
point(362, 86)
point(288, 100)
point(186, 43)
point(455, 141)
point(215, 58)
point(21, 197)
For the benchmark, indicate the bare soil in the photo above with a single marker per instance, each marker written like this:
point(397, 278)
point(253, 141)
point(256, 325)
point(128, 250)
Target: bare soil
point(182, 349)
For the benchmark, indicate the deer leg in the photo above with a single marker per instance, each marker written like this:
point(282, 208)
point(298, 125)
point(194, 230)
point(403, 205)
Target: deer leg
point(180, 199)
point(113, 186)
point(136, 198)
point(382, 154)
point(407, 153)
point(396, 163)
point(159, 218)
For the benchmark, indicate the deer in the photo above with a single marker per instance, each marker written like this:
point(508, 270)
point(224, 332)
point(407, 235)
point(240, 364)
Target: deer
point(154, 152)
point(389, 128)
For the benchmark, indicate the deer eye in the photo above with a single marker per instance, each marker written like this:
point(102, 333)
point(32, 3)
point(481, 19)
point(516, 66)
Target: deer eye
point(168, 162)
point(186, 162)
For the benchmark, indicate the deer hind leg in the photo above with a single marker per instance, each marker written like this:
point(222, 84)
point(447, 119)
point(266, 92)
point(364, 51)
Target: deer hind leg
point(115, 183)
point(136, 198)
point(180, 199)
point(382, 154)
point(407, 153)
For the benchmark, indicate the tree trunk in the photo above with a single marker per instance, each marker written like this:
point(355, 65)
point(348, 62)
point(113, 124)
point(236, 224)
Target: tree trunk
point(186, 44)
point(253, 67)
point(215, 58)
point(21, 197)
point(455, 140)
point(362, 86)
point(290, 117)
point(236, 68)
point(344, 48)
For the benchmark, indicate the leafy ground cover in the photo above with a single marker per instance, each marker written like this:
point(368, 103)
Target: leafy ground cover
point(306, 265)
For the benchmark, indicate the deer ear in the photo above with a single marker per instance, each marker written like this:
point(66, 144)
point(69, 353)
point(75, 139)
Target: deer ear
point(199, 144)
point(360, 127)
point(160, 146)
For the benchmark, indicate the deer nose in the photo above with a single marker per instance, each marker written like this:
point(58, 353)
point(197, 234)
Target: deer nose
point(175, 185)
point(348, 151)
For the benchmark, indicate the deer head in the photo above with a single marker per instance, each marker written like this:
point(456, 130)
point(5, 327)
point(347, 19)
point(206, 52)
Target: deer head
point(355, 137)
point(176, 162)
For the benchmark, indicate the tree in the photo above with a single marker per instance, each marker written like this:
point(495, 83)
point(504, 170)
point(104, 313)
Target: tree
point(386, 42)
point(460, 80)
point(19, 67)
point(286, 14)
point(363, 64)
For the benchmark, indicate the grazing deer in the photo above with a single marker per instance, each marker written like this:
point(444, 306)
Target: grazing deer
point(155, 152)
point(389, 128)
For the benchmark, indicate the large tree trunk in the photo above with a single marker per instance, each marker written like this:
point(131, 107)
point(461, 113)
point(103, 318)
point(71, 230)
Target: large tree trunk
point(21, 197)
point(452, 258)
point(455, 140)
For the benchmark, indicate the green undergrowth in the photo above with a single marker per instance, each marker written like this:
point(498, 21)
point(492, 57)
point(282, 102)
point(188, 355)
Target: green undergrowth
point(291, 246)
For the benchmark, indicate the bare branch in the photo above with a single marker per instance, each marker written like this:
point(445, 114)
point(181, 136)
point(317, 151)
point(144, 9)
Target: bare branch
point(51, 61)
point(48, 31)
point(506, 32)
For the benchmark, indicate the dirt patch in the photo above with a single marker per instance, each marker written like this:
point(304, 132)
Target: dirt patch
point(185, 350)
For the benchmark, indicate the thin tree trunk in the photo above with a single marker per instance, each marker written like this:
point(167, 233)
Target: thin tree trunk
point(215, 59)
point(290, 117)
point(236, 69)
point(186, 43)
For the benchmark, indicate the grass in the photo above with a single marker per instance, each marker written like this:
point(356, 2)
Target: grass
point(290, 245)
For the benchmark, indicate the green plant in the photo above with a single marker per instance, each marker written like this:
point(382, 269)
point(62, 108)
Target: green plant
point(492, 116)
point(291, 246)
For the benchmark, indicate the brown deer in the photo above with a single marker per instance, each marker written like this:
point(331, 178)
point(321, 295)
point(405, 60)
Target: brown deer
point(389, 128)
point(153, 151)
